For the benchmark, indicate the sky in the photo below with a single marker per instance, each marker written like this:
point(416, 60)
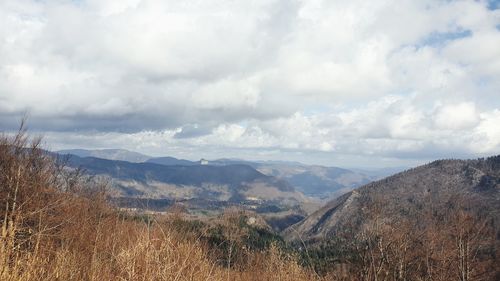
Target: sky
point(340, 83)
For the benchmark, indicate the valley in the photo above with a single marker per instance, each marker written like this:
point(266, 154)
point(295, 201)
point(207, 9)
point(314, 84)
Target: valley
point(281, 192)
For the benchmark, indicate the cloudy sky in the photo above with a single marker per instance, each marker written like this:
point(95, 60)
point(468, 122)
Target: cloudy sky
point(348, 83)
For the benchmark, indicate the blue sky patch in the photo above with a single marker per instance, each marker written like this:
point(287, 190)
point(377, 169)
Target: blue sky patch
point(440, 38)
point(493, 4)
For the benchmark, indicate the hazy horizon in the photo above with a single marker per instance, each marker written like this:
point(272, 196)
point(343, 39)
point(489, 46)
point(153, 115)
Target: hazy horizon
point(250, 159)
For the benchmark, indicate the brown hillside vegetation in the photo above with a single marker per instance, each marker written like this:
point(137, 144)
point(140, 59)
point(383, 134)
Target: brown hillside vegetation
point(57, 226)
point(439, 221)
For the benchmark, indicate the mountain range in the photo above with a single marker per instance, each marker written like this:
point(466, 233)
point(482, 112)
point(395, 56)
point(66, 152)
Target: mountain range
point(151, 180)
point(110, 154)
point(282, 192)
point(312, 180)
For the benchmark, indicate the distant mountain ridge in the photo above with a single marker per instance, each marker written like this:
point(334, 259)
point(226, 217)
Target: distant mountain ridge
point(110, 154)
point(163, 181)
point(407, 194)
point(317, 181)
point(311, 180)
point(171, 161)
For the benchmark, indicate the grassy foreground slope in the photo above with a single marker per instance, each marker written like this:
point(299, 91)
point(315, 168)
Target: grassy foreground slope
point(57, 226)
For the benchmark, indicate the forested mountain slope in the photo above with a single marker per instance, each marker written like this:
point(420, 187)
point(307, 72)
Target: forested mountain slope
point(473, 185)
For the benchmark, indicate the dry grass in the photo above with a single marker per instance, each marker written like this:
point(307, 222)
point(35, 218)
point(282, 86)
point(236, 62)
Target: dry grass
point(56, 226)
point(124, 250)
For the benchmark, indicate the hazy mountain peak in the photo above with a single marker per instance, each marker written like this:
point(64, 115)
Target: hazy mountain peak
point(110, 154)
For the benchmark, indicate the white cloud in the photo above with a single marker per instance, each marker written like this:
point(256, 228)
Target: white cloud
point(227, 95)
point(383, 78)
point(457, 116)
point(487, 133)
